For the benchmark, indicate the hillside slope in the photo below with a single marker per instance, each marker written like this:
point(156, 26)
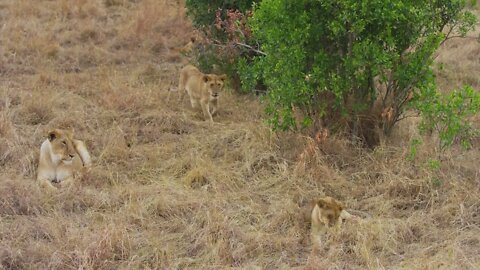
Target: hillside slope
point(170, 191)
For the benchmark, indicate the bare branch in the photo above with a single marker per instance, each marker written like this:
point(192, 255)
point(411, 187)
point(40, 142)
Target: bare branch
point(407, 116)
point(219, 44)
point(250, 48)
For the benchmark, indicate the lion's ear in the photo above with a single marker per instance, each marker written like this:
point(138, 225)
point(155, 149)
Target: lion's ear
point(206, 78)
point(339, 204)
point(223, 77)
point(322, 203)
point(52, 135)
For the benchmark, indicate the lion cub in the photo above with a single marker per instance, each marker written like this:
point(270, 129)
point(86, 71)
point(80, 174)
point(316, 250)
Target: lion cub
point(201, 88)
point(327, 215)
point(187, 48)
point(61, 157)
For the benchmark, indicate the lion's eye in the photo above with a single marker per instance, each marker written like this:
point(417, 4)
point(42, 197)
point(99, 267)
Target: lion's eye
point(64, 142)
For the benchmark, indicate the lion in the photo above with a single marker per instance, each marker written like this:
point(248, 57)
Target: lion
point(61, 159)
point(201, 88)
point(326, 216)
point(187, 49)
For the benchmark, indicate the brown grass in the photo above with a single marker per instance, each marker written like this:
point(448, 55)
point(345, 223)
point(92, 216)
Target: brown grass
point(457, 63)
point(170, 191)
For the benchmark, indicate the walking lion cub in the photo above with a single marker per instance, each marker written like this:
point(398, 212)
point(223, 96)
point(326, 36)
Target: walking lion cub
point(61, 158)
point(203, 89)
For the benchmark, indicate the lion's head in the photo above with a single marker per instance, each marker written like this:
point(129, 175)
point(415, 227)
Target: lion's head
point(330, 210)
point(214, 83)
point(62, 146)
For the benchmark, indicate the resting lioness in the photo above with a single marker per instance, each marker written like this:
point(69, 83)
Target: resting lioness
point(327, 214)
point(61, 158)
point(201, 88)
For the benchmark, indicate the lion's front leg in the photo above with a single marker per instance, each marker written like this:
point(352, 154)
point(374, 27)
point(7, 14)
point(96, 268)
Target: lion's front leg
point(206, 110)
point(67, 175)
point(68, 182)
point(46, 184)
point(194, 103)
point(315, 235)
point(316, 240)
point(214, 106)
point(44, 178)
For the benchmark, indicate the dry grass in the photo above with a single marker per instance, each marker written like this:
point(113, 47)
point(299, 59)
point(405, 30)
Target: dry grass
point(169, 191)
point(457, 63)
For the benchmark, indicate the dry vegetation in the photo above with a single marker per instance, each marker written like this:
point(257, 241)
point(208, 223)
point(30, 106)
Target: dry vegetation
point(169, 191)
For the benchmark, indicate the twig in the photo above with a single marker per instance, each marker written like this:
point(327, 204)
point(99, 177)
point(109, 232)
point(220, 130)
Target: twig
point(251, 48)
point(219, 44)
point(408, 116)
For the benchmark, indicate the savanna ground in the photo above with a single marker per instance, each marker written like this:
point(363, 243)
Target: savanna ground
point(169, 191)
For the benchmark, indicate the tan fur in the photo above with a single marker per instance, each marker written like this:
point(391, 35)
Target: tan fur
point(61, 158)
point(203, 89)
point(187, 48)
point(326, 215)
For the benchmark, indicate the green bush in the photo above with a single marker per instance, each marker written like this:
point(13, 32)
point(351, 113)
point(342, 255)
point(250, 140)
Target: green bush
point(449, 115)
point(349, 59)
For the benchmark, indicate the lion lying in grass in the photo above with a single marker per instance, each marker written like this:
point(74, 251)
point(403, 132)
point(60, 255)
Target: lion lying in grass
point(326, 216)
point(187, 48)
point(61, 159)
